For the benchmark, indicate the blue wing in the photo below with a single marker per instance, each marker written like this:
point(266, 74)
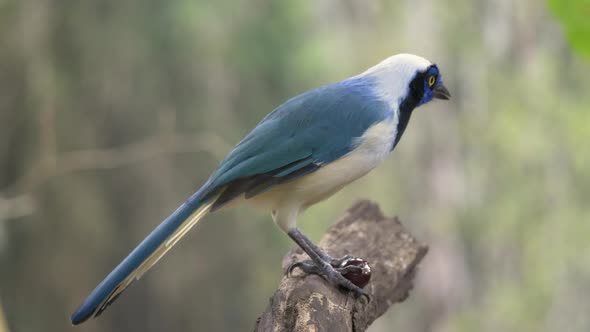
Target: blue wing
point(298, 137)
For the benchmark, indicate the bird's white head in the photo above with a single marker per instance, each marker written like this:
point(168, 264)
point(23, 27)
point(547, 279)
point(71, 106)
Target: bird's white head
point(409, 79)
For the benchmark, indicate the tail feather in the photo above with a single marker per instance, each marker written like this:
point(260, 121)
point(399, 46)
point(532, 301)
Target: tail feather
point(143, 257)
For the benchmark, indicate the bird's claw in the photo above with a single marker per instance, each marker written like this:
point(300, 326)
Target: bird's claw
point(336, 263)
point(339, 262)
point(332, 272)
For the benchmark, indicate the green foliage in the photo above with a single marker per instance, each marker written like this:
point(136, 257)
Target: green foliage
point(574, 15)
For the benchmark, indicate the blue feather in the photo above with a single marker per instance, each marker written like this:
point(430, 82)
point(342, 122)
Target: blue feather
point(95, 303)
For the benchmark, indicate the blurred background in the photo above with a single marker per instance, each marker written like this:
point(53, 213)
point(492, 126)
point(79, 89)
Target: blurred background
point(112, 112)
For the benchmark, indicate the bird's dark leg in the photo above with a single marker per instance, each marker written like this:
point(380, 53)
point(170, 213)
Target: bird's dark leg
point(321, 264)
point(335, 262)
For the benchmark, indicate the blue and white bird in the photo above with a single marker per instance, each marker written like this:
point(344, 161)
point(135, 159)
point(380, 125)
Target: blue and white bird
point(301, 153)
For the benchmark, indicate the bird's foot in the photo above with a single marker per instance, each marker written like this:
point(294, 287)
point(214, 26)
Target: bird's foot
point(333, 271)
point(336, 263)
point(339, 262)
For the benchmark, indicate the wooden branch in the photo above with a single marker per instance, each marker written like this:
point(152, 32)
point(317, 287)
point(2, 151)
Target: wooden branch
point(51, 165)
point(308, 303)
point(109, 158)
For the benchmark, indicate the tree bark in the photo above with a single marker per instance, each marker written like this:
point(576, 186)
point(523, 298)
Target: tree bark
point(308, 303)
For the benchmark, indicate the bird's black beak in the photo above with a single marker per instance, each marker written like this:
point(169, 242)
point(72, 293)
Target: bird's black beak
point(441, 92)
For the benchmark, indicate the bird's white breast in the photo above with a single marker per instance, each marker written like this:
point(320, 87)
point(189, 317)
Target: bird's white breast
point(373, 147)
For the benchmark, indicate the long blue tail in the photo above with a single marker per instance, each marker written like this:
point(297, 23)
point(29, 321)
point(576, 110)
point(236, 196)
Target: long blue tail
point(144, 256)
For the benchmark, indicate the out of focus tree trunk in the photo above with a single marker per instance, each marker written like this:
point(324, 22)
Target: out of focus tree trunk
point(3, 324)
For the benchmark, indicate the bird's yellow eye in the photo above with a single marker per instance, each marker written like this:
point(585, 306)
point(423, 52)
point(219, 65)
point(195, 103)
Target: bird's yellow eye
point(431, 80)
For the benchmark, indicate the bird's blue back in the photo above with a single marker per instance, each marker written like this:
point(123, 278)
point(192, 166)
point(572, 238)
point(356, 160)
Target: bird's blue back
point(318, 126)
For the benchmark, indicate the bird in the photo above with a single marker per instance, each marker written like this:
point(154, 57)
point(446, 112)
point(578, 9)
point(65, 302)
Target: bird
point(304, 151)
